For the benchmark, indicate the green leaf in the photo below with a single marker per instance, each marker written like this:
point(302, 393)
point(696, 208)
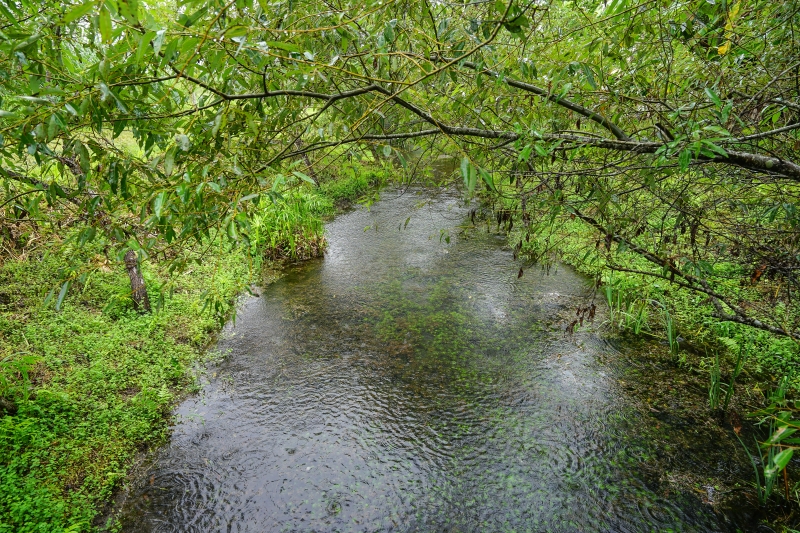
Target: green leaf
point(83, 156)
point(26, 43)
point(49, 297)
point(158, 42)
point(715, 148)
point(52, 127)
point(469, 174)
point(34, 99)
point(304, 177)
point(779, 462)
point(6, 13)
point(236, 31)
point(169, 161)
point(158, 203)
point(187, 21)
point(684, 158)
point(77, 12)
point(232, 234)
point(486, 176)
point(587, 72)
point(388, 33)
point(144, 44)
point(713, 97)
point(289, 47)
point(62, 293)
point(253, 196)
point(104, 22)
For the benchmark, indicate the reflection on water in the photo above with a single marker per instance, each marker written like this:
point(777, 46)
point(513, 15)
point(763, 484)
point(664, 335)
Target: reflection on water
point(408, 383)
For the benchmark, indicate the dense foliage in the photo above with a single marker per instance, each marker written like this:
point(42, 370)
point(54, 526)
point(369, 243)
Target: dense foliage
point(670, 128)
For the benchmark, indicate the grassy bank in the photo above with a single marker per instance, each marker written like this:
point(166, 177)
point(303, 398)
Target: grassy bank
point(654, 308)
point(89, 386)
point(94, 382)
point(751, 376)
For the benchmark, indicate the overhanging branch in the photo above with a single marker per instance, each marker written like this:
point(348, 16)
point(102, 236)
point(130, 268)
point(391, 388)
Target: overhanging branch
point(692, 283)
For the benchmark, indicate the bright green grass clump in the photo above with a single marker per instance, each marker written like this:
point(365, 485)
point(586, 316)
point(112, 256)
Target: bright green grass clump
point(356, 182)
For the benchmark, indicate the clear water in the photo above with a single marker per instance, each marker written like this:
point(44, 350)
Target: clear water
point(404, 383)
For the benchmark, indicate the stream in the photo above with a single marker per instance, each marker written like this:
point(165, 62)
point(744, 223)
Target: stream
point(412, 381)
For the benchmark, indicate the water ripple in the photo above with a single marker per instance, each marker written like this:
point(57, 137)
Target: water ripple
point(408, 384)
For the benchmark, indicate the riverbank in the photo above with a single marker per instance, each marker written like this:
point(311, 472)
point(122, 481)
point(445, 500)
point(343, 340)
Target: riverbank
point(683, 320)
point(735, 382)
point(88, 387)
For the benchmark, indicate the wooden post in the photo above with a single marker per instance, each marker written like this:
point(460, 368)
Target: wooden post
point(138, 289)
point(8, 406)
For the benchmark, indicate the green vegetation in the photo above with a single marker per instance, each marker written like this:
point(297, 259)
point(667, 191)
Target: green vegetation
point(651, 143)
point(93, 382)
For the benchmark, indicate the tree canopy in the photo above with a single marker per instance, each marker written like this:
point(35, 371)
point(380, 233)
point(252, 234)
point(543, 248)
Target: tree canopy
point(669, 129)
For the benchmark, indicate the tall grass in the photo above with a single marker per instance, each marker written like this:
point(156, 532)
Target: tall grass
point(290, 227)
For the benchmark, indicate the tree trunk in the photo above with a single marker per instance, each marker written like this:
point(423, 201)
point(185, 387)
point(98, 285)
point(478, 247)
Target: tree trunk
point(138, 290)
point(8, 406)
point(309, 168)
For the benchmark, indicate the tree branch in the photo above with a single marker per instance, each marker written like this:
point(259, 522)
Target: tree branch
point(692, 283)
point(563, 102)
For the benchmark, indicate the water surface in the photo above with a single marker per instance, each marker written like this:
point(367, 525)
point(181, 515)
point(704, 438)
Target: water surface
point(411, 381)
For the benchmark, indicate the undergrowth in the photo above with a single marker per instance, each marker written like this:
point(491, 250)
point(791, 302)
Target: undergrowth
point(643, 305)
point(92, 388)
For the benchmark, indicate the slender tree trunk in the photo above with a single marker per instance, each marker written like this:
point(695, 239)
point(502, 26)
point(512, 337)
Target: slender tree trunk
point(141, 302)
point(8, 406)
point(309, 167)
